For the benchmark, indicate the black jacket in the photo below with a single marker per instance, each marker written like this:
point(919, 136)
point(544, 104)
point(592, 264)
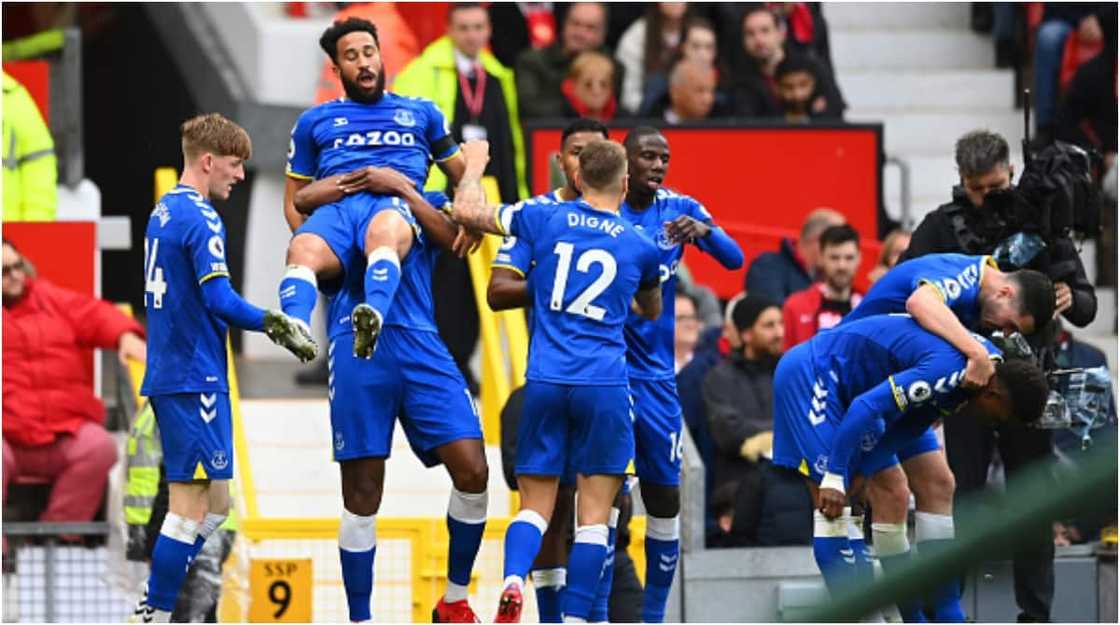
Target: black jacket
point(937, 235)
point(777, 275)
point(739, 397)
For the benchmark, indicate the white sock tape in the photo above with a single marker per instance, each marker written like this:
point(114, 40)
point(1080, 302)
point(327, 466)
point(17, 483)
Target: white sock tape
point(660, 528)
point(384, 253)
point(823, 527)
point(179, 528)
point(468, 507)
point(550, 578)
point(929, 526)
point(889, 539)
point(302, 272)
point(592, 534)
point(357, 533)
point(532, 518)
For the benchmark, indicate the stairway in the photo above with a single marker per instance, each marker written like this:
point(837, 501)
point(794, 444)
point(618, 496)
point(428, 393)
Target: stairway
point(919, 70)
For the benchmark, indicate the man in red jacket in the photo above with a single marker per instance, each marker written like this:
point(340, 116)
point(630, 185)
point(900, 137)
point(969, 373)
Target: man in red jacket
point(825, 303)
point(53, 423)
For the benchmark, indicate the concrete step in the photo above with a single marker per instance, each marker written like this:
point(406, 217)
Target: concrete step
point(843, 16)
point(945, 90)
point(935, 134)
point(911, 50)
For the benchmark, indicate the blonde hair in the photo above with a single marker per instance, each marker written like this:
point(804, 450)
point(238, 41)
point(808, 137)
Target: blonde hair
point(215, 134)
point(602, 165)
point(589, 61)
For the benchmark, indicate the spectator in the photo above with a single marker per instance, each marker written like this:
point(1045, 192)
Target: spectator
point(698, 46)
point(1059, 19)
point(708, 307)
point(893, 246)
point(53, 423)
point(589, 88)
point(540, 72)
point(775, 275)
point(398, 46)
point(647, 48)
point(755, 88)
point(30, 167)
point(523, 25)
point(738, 392)
point(808, 31)
point(1087, 112)
point(692, 93)
point(773, 510)
point(687, 330)
point(823, 304)
point(464, 79)
point(799, 94)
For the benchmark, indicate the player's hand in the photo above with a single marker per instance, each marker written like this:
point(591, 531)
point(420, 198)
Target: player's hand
point(831, 502)
point(131, 347)
point(685, 229)
point(466, 242)
point(477, 152)
point(1063, 298)
point(375, 180)
point(978, 371)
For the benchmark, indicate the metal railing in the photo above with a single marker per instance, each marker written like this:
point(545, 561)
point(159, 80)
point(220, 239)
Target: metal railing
point(58, 573)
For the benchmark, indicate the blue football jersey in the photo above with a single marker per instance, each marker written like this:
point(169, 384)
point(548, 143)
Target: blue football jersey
point(339, 136)
point(587, 267)
point(881, 369)
point(650, 343)
point(955, 276)
point(184, 246)
point(413, 307)
point(514, 253)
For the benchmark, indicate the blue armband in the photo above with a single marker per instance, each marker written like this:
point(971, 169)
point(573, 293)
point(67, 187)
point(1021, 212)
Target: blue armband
point(223, 301)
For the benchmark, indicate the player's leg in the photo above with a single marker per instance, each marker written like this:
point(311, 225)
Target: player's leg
point(601, 442)
point(387, 240)
point(933, 485)
point(600, 608)
point(832, 549)
point(550, 569)
point(466, 522)
point(310, 258)
point(362, 482)
point(889, 497)
point(657, 446)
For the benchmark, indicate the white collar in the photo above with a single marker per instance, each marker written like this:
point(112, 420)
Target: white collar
point(464, 64)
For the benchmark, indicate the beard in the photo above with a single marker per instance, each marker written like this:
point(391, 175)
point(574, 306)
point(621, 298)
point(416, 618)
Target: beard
point(357, 94)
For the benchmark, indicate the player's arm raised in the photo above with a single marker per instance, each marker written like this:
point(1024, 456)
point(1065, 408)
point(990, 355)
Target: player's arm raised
point(928, 308)
point(710, 238)
point(470, 207)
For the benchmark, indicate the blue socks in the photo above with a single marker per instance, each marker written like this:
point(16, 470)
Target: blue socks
point(466, 521)
point(383, 276)
point(523, 541)
point(934, 533)
point(357, 544)
point(833, 551)
point(663, 547)
point(585, 569)
point(600, 609)
point(549, 586)
point(298, 292)
point(865, 566)
point(171, 557)
point(893, 549)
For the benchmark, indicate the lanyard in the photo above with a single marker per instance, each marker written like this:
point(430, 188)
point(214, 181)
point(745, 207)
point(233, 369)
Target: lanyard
point(473, 97)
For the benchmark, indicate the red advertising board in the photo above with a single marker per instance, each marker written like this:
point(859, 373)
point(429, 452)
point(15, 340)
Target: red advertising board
point(759, 182)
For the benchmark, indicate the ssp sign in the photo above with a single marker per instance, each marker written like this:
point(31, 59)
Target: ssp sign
point(280, 591)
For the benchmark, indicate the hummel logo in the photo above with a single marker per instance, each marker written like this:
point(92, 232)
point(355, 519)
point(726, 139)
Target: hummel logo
point(209, 213)
point(668, 558)
point(208, 401)
point(340, 121)
point(288, 292)
point(668, 568)
point(847, 552)
point(214, 227)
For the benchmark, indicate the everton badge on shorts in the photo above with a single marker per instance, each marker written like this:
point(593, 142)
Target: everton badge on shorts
point(404, 118)
point(218, 460)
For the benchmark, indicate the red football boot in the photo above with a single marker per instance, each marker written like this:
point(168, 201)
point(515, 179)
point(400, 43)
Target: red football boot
point(457, 612)
point(509, 606)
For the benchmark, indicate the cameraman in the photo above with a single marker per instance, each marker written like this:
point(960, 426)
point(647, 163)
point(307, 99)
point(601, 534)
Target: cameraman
point(966, 225)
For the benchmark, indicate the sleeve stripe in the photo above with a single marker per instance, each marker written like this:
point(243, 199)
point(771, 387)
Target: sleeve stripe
point(498, 220)
point(512, 268)
point(457, 152)
point(213, 274)
point(898, 394)
point(292, 174)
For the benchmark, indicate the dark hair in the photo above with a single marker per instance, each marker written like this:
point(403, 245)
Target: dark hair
point(684, 291)
point(329, 40)
point(761, 7)
point(637, 134)
point(1027, 387)
point(980, 151)
point(602, 164)
point(794, 63)
point(1036, 295)
point(462, 6)
point(655, 58)
point(835, 235)
point(584, 124)
point(749, 309)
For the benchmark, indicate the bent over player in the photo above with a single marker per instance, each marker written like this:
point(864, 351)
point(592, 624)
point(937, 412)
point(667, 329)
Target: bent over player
point(361, 233)
point(190, 305)
point(589, 264)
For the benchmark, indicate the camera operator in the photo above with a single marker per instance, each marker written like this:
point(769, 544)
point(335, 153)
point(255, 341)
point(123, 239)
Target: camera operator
point(969, 224)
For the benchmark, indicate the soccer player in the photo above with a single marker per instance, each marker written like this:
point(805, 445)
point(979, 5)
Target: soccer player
point(847, 400)
point(362, 233)
point(414, 379)
point(589, 264)
point(190, 305)
point(508, 288)
point(671, 220)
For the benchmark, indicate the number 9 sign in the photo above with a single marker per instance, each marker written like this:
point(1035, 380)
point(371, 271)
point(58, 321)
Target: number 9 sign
point(280, 591)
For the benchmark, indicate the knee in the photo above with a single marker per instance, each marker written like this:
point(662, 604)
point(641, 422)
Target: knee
point(937, 487)
point(306, 249)
point(101, 449)
point(362, 497)
point(473, 477)
point(889, 495)
point(661, 501)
